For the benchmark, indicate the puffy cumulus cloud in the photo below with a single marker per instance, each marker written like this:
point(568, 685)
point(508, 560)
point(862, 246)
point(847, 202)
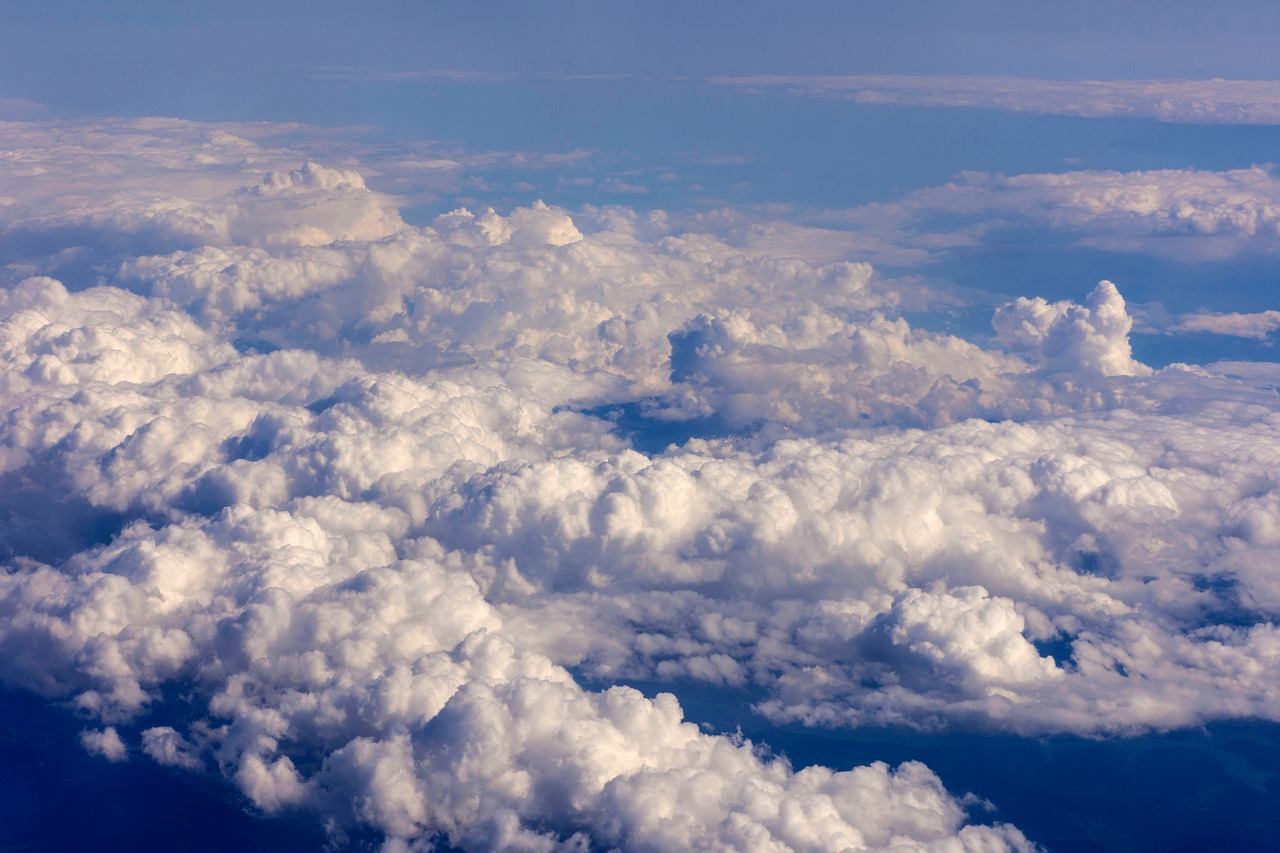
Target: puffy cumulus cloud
point(1180, 101)
point(144, 411)
point(532, 284)
point(321, 630)
point(292, 591)
point(1212, 212)
point(813, 371)
point(909, 577)
point(807, 346)
point(166, 746)
point(335, 205)
point(222, 282)
point(1065, 338)
point(50, 337)
point(333, 521)
point(115, 186)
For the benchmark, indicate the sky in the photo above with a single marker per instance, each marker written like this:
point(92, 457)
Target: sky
point(576, 426)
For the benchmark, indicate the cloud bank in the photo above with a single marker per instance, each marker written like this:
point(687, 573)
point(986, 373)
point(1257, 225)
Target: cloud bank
point(340, 509)
point(1186, 215)
point(1248, 102)
point(1215, 101)
point(1256, 326)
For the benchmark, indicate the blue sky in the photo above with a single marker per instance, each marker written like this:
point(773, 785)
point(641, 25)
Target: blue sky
point(398, 381)
point(123, 41)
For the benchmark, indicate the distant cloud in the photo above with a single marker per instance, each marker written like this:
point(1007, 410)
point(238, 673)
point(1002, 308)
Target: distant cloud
point(1190, 215)
point(616, 185)
point(20, 109)
point(1256, 326)
point(389, 75)
point(1181, 101)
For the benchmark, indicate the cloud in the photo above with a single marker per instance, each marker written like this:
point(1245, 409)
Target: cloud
point(1187, 215)
point(344, 520)
point(1214, 101)
point(325, 626)
point(1064, 338)
point(822, 570)
point(83, 196)
point(1255, 326)
point(105, 743)
point(166, 746)
point(1249, 102)
point(19, 109)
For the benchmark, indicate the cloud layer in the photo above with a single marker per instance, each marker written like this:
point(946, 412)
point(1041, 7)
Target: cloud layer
point(334, 506)
point(1181, 101)
point(1183, 214)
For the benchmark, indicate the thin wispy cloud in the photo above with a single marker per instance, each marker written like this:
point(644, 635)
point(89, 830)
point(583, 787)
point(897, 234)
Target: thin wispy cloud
point(1181, 101)
point(1213, 101)
point(1257, 326)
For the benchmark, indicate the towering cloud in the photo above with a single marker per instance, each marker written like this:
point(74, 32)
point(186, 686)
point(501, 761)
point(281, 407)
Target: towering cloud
point(1066, 339)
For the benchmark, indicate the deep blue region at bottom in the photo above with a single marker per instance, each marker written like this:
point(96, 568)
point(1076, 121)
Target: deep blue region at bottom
point(1211, 789)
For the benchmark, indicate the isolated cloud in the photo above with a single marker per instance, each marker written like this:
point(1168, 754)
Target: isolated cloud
point(1181, 101)
point(105, 743)
point(355, 493)
point(1256, 326)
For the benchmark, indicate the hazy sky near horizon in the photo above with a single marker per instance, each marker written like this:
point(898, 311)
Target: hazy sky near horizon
point(244, 60)
point(452, 422)
point(1083, 40)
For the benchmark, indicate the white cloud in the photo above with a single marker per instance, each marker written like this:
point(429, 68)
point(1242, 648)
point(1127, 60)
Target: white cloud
point(1255, 326)
point(105, 743)
point(1182, 101)
point(180, 183)
point(1064, 338)
point(165, 745)
point(816, 568)
point(1187, 215)
point(373, 558)
point(1213, 101)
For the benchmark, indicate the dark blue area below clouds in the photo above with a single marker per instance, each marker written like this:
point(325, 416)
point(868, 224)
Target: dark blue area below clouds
point(57, 797)
point(1210, 789)
point(42, 519)
point(650, 434)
